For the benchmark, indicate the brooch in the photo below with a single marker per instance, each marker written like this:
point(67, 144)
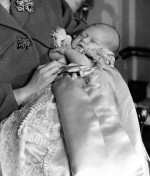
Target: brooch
point(27, 5)
point(23, 43)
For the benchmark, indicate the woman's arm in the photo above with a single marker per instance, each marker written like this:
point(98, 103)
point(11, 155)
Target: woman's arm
point(11, 99)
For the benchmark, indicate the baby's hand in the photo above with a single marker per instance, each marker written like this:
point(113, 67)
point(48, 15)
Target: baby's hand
point(61, 50)
point(54, 55)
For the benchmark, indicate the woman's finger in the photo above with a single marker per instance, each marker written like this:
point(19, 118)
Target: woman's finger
point(41, 66)
point(51, 65)
point(53, 70)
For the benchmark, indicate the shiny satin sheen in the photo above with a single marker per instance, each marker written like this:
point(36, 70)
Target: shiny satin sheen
point(100, 125)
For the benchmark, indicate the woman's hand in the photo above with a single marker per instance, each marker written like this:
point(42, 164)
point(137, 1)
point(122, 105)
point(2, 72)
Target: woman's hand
point(44, 75)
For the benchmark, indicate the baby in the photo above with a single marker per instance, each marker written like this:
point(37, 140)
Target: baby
point(96, 110)
point(94, 42)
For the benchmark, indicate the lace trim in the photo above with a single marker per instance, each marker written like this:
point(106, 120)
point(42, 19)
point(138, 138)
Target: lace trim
point(8, 139)
point(101, 56)
point(35, 119)
point(47, 165)
point(54, 134)
point(31, 125)
point(33, 111)
point(31, 168)
point(37, 140)
point(47, 89)
point(47, 160)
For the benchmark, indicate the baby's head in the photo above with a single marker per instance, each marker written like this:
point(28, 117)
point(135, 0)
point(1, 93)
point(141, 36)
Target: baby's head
point(99, 35)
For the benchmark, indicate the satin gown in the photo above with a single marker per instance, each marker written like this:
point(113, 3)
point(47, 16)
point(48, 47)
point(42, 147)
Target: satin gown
point(100, 123)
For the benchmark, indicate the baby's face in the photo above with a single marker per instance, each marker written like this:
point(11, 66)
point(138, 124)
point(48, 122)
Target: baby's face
point(89, 38)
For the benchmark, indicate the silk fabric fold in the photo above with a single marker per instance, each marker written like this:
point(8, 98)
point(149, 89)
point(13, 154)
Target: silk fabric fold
point(100, 125)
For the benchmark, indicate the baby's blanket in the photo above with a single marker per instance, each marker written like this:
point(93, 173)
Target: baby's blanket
point(31, 142)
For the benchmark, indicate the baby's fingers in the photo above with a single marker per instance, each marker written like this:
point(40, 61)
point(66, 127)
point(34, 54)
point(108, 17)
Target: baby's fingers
point(61, 50)
point(55, 56)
